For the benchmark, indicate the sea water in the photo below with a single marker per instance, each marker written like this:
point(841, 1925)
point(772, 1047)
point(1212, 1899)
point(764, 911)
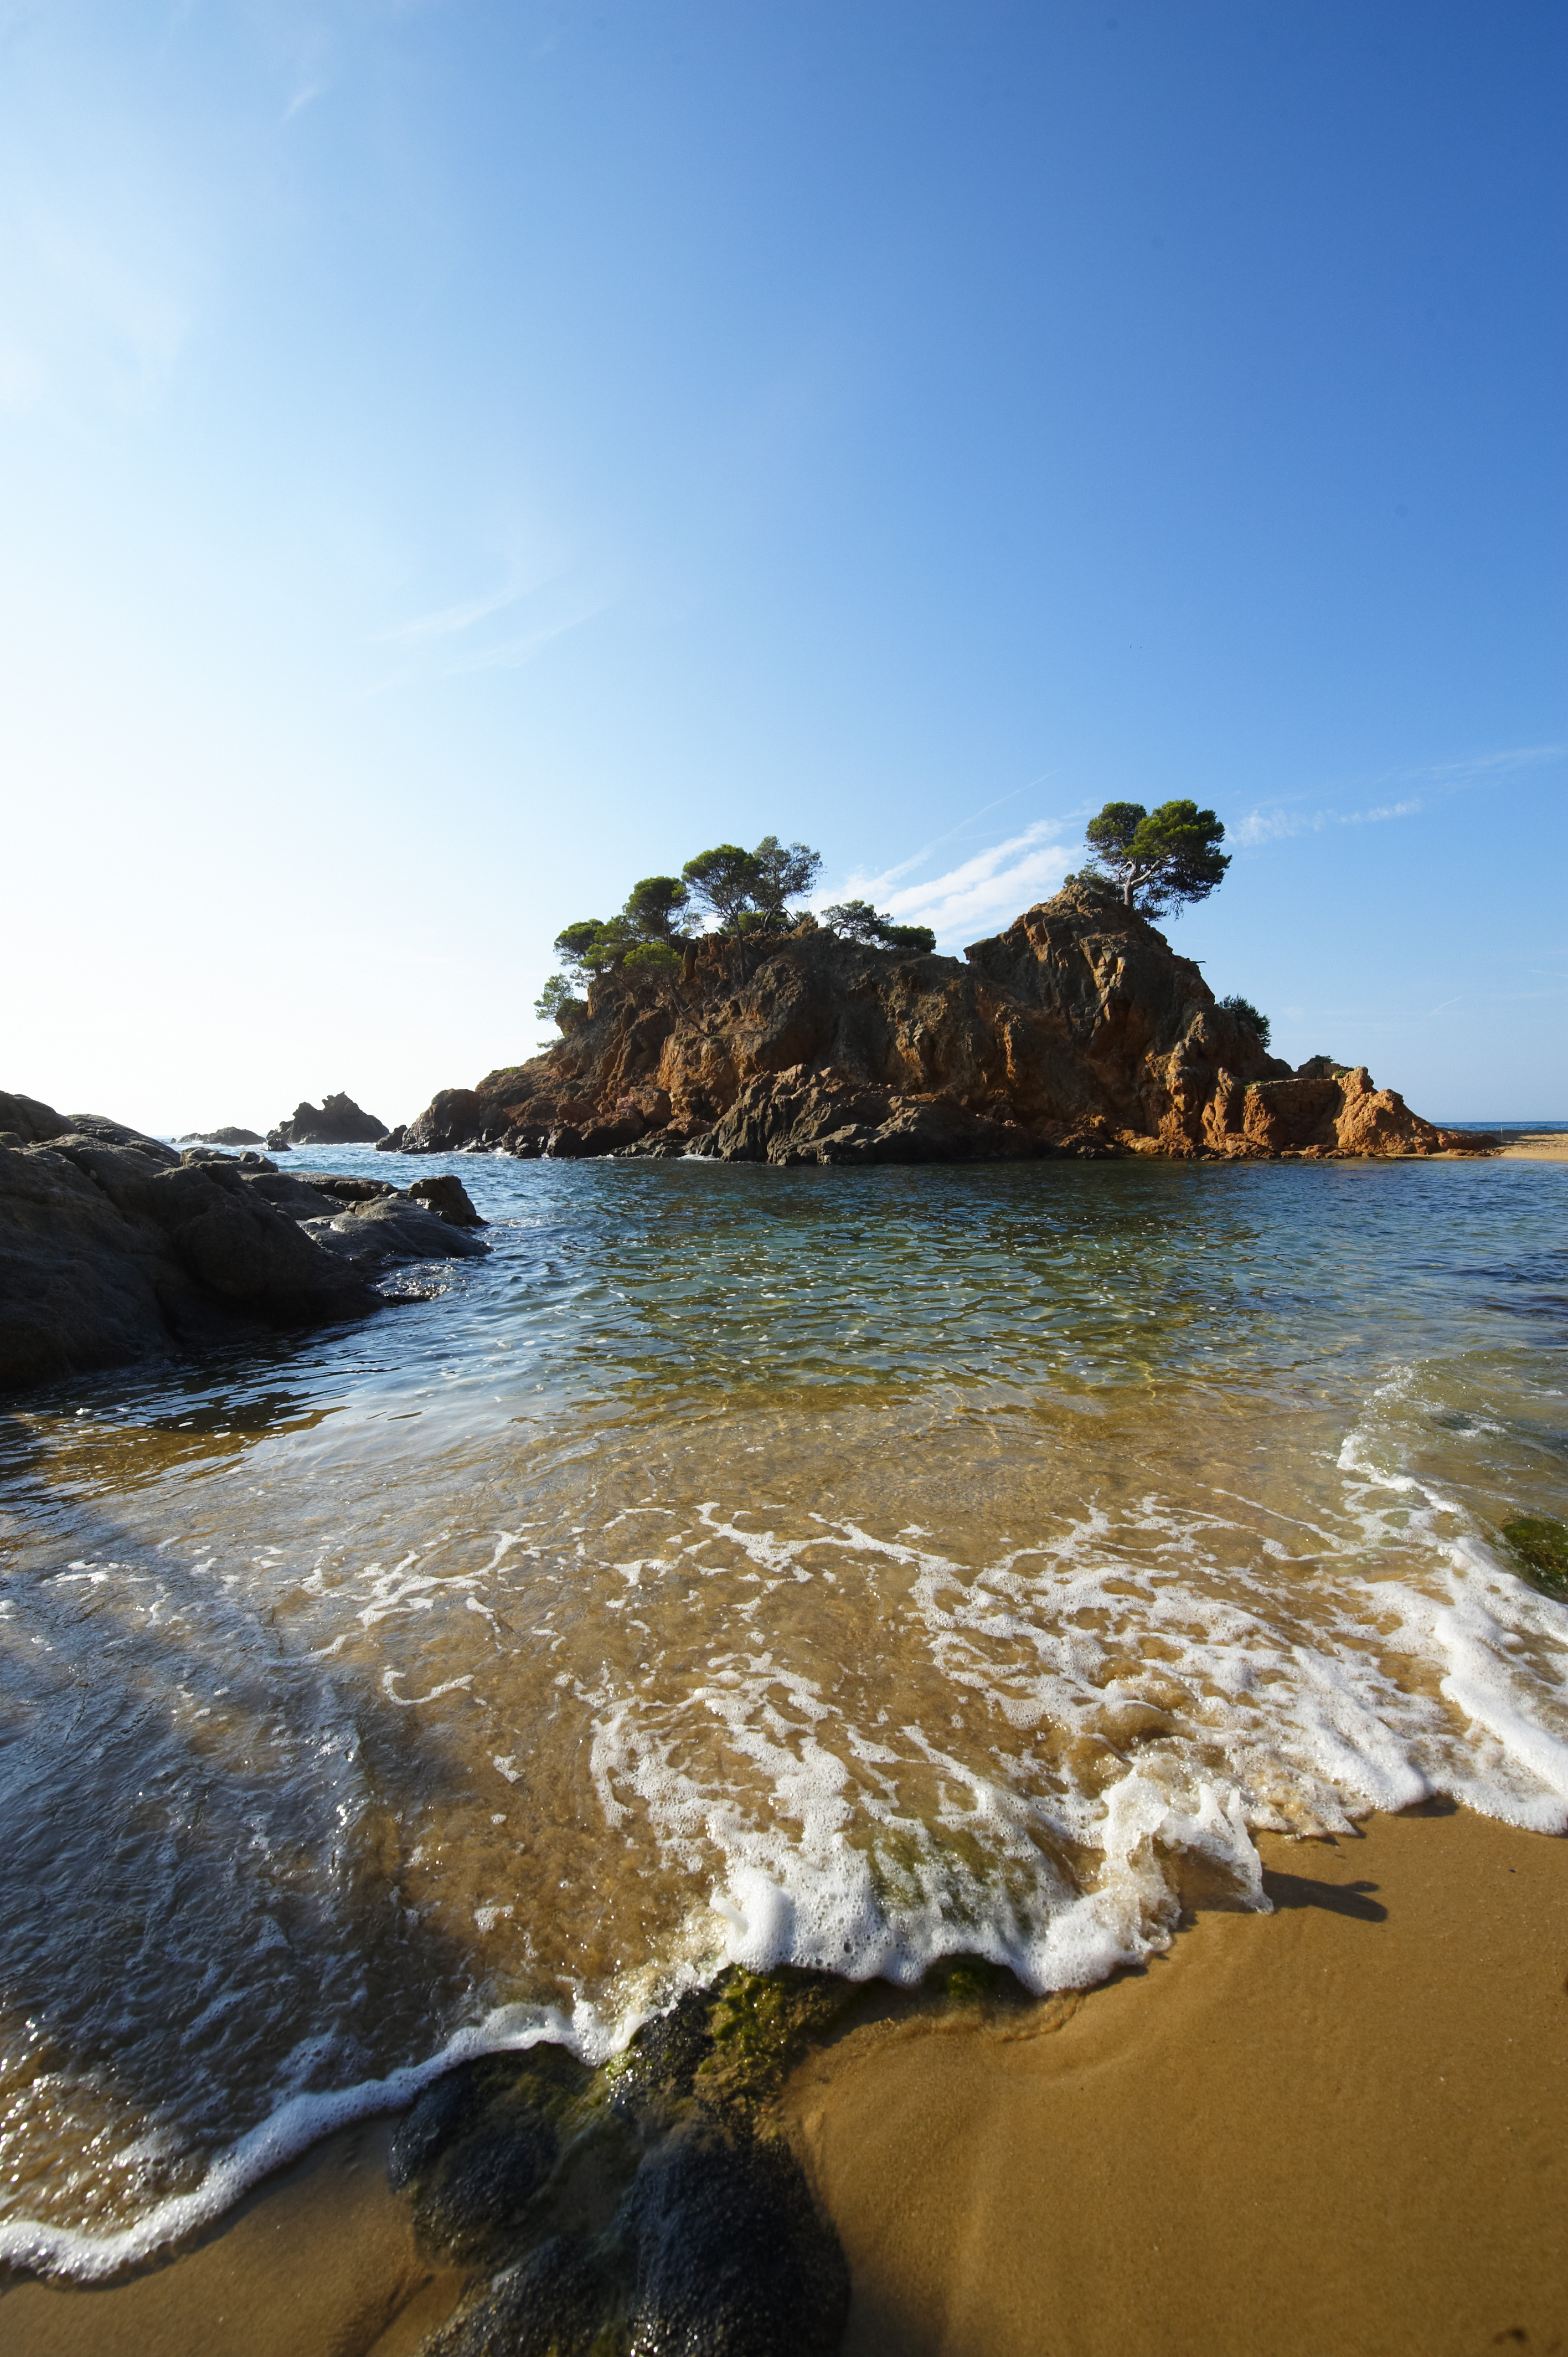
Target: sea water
point(850, 1567)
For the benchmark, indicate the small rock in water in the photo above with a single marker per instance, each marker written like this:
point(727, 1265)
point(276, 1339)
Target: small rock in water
point(640, 2209)
point(447, 1196)
point(336, 1121)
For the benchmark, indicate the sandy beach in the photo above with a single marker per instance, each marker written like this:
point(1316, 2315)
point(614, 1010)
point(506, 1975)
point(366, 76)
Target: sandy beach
point(1543, 1145)
point(1339, 2128)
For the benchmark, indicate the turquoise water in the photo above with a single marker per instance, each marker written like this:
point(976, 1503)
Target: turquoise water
point(740, 1563)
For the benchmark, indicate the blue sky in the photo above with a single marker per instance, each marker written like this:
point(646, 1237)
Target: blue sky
point(459, 457)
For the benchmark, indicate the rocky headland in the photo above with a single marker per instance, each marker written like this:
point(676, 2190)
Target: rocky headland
point(1078, 1032)
point(114, 1246)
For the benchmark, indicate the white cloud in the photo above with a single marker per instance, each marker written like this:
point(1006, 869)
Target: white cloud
point(1441, 778)
point(1513, 756)
point(991, 887)
point(1273, 826)
point(454, 618)
point(516, 652)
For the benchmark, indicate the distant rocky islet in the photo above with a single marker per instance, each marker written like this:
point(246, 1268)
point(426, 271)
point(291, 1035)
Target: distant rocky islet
point(1078, 1031)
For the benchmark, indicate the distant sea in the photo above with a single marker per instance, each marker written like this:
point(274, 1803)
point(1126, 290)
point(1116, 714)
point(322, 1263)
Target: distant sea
point(855, 1567)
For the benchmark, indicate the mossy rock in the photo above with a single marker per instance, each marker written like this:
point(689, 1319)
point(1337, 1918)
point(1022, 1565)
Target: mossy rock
point(650, 2206)
point(482, 2145)
point(972, 1981)
point(1541, 1549)
point(759, 2025)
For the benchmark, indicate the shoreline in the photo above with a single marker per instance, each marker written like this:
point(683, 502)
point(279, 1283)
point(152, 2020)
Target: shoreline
point(1338, 2126)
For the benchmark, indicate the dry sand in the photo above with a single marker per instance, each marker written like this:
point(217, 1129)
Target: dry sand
point(1338, 2129)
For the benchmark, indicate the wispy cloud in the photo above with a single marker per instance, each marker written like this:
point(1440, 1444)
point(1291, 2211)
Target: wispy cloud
point(452, 619)
point(992, 884)
point(1478, 765)
point(302, 99)
point(1273, 822)
point(515, 653)
point(421, 638)
point(1274, 826)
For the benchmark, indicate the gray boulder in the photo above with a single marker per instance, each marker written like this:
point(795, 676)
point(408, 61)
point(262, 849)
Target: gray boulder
point(109, 1254)
point(370, 1237)
point(445, 1194)
point(114, 1247)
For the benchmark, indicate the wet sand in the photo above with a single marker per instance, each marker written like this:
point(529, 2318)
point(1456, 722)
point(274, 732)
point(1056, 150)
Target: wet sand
point(1343, 2128)
point(1543, 1145)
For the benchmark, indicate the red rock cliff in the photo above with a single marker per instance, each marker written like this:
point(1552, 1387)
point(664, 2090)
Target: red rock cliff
point(1078, 1030)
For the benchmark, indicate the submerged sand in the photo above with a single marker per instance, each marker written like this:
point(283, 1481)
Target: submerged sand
point(1343, 2128)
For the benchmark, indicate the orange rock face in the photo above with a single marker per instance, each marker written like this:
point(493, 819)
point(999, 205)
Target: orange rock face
point(1078, 1030)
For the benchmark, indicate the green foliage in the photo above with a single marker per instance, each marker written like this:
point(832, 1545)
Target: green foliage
point(748, 891)
point(721, 881)
point(556, 993)
point(654, 957)
point(1158, 858)
point(785, 871)
point(653, 906)
point(1253, 1016)
point(643, 939)
point(857, 921)
point(1540, 1544)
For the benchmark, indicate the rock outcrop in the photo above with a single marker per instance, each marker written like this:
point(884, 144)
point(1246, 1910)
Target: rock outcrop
point(114, 1246)
point(1077, 1031)
point(336, 1121)
point(221, 1137)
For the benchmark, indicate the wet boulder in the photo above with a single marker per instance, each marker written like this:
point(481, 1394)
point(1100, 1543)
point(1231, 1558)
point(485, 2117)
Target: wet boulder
point(112, 1251)
point(479, 2144)
point(732, 2258)
point(372, 1236)
point(446, 1196)
point(551, 2304)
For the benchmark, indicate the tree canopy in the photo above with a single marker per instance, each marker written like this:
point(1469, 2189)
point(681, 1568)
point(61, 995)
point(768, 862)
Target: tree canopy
point(1253, 1016)
point(748, 891)
point(742, 892)
point(1160, 858)
point(857, 921)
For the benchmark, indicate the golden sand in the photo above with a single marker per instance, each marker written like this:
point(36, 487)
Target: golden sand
point(1342, 2128)
point(1339, 2129)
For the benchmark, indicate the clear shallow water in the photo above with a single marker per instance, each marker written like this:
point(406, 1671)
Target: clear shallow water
point(847, 1566)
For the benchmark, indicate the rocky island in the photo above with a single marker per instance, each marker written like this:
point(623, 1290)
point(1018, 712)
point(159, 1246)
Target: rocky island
point(1078, 1032)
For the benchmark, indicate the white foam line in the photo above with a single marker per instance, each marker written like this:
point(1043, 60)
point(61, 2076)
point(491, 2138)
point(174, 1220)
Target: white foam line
point(302, 2121)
